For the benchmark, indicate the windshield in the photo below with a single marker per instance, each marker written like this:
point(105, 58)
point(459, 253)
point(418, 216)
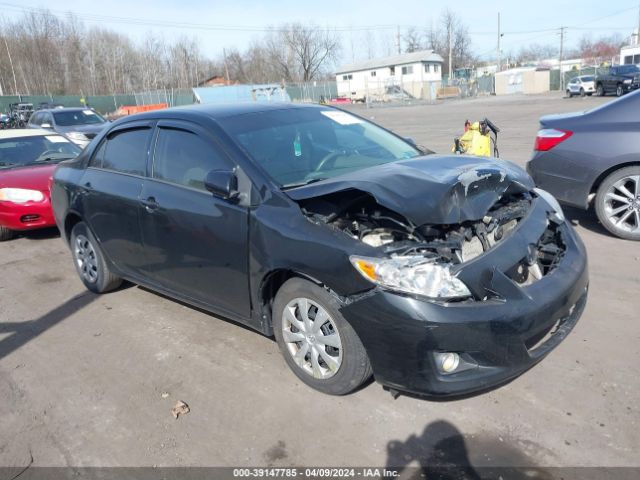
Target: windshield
point(21, 151)
point(77, 117)
point(300, 146)
point(587, 79)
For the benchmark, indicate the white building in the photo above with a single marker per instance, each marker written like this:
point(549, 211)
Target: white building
point(631, 53)
point(416, 75)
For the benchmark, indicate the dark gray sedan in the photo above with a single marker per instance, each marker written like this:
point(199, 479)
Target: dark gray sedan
point(594, 157)
point(79, 125)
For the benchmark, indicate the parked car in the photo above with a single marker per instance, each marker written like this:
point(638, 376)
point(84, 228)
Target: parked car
point(442, 275)
point(619, 79)
point(582, 85)
point(80, 125)
point(593, 157)
point(27, 161)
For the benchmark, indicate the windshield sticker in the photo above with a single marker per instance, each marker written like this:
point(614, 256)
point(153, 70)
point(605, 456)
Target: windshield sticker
point(57, 139)
point(88, 112)
point(342, 118)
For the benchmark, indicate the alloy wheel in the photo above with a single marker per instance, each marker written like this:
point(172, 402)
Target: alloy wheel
point(311, 338)
point(85, 257)
point(622, 204)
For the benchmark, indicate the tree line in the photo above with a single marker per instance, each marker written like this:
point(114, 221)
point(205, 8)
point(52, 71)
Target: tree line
point(42, 53)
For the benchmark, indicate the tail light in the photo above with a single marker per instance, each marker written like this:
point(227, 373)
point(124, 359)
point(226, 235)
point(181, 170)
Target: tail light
point(550, 137)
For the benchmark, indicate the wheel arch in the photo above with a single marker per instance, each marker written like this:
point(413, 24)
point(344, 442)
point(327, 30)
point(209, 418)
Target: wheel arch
point(269, 287)
point(70, 221)
point(598, 181)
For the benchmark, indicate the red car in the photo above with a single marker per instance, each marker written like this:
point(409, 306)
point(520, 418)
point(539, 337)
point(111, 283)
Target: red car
point(27, 161)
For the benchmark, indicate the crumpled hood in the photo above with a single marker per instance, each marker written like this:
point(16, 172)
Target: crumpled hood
point(435, 189)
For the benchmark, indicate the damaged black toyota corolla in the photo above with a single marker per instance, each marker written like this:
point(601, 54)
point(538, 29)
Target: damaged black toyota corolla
point(439, 275)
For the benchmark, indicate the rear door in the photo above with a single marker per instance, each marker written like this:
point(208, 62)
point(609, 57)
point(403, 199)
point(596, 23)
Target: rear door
point(195, 243)
point(112, 184)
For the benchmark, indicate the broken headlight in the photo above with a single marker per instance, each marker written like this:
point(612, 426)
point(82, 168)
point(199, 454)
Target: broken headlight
point(411, 274)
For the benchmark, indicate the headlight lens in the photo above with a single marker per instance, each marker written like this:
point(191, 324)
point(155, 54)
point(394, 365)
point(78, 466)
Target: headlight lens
point(78, 136)
point(627, 81)
point(551, 200)
point(411, 274)
point(20, 195)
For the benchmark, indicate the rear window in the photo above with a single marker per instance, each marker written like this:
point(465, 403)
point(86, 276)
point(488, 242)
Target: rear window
point(126, 151)
point(77, 117)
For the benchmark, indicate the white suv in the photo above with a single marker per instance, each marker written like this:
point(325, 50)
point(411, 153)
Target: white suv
point(584, 85)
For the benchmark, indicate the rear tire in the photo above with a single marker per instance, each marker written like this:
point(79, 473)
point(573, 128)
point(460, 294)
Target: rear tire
point(6, 234)
point(618, 203)
point(333, 359)
point(90, 262)
point(569, 94)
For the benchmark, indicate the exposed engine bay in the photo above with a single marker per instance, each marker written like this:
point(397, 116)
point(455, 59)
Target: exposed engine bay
point(358, 215)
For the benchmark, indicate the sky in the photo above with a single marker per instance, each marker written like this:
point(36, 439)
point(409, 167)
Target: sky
point(367, 27)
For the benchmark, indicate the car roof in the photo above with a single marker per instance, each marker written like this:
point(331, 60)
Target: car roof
point(25, 132)
point(220, 111)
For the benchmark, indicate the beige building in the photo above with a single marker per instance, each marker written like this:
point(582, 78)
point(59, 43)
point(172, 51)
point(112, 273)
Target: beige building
point(522, 80)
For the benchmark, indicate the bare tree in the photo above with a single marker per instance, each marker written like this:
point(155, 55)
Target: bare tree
point(311, 48)
point(413, 40)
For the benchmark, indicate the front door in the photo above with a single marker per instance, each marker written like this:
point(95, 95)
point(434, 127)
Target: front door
point(195, 244)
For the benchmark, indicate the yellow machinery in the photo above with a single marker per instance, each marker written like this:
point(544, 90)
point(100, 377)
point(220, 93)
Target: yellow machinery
point(480, 138)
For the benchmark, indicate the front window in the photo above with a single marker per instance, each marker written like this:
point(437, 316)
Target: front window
point(299, 146)
point(588, 79)
point(33, 150)
point(77, 117)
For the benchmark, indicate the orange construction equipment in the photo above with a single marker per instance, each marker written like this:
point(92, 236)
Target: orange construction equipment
point(130, 110)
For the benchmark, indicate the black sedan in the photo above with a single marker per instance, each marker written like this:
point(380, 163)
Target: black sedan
point(439, 275)
point(593, 157)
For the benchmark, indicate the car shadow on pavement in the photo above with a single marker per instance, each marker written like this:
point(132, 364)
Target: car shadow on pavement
point(442, 452)
point(40, 234)
point(24, 332)
point(585, 218)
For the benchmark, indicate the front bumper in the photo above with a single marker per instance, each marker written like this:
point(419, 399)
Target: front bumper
point(27, 216)
point(504, 336)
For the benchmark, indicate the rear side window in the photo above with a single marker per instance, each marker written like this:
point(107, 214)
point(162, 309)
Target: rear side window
point(185, 158)
point(125, 151)
point(36, 119)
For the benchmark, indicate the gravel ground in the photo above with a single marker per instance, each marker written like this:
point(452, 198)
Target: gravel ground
point(90, 380)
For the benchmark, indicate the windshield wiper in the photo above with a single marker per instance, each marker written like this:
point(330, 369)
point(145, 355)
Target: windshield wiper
point(301, 184)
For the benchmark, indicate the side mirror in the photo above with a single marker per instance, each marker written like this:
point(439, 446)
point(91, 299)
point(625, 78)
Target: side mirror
point(410, 140)
point(222, 183)
point(45, 125)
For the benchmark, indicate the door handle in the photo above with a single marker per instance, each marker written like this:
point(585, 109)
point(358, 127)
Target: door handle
point(150, 204)
point(87, 186)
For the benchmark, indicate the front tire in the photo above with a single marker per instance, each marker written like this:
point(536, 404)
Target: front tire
point(600, 90)
point(582, 93)
point(618, 203)
point(317, 343)
point(619, 90)
point(90, 262)
point(6, 234)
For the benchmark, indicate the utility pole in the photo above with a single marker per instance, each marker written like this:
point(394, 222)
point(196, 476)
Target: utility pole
point(450, 28)
point(398, 40)
point(15, 83)
point(226, 68)
point(562, 29)
point(499, 35)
